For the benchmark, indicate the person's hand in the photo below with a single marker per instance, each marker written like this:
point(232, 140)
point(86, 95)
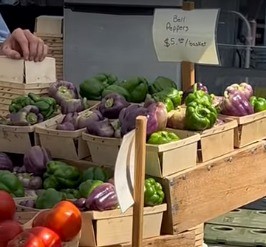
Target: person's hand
point(24, 44)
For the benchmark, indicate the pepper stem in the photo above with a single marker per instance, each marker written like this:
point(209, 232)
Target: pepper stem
point(109, 103)
point(32, 118)
point(195, 87)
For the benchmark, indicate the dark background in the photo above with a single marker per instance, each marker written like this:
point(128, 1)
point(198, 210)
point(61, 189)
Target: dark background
point(24, 16)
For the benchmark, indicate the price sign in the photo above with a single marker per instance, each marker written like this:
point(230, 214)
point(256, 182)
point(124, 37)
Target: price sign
point(180, 35)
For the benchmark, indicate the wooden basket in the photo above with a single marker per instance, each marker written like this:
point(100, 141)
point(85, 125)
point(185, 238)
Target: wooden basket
point(216, 141)
point(250, 129)
point(27, 72)
point(24, 214)
point(62, 144)
point(16, 139)
point(112, 227)
point(12, 90)
point(162, 161)
point(159, 158)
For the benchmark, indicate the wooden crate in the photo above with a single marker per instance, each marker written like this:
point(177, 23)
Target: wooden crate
point(214, 188)
point(61, 144)
point(16, 139)
point(21, 71)
point(250, 129)
point(112, 227)
point(189, 238)
point(216, 141)
point(159, 158)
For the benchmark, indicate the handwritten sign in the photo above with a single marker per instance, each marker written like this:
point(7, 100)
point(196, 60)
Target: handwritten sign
point(124, 171)
point(180, 35)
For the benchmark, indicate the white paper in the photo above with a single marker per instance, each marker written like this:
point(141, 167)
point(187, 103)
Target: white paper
point(123, 176)
point(180, 35)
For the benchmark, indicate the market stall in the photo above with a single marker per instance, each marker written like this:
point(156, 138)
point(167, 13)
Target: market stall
point(76, 152)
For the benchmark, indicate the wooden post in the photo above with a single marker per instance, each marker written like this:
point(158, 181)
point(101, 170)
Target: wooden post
point(187, 68)
point(140, 157)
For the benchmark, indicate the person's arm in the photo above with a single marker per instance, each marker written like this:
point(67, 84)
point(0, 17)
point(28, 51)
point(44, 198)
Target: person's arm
point(21, 44)
point(4, 33)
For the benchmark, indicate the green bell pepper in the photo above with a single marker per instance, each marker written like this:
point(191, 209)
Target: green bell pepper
point(70, 193)
point(137, 87)
point(153, 192)
point(60, 175)
point(88, 186)
point(161, 83)
point(116, 89)
point(198, 96)
point(49, 198)
point(258, 103)
point(47, 105)
point(167, 96)
point(96, 173)
point(93, 87)
point(162, 137)
point(11, 184)
point(200, 116)
point(18, 103)
point(108, 78)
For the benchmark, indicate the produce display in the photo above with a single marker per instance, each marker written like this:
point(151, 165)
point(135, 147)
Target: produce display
point(65, 191)
point(50, 228)
point(53, 181)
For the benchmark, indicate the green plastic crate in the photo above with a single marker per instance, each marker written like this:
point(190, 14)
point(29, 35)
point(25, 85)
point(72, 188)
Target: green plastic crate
point(234, 236)
point(242, 218)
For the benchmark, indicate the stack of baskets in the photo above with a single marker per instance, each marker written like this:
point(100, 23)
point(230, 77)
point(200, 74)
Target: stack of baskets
point(50, 30)
point(19, 77)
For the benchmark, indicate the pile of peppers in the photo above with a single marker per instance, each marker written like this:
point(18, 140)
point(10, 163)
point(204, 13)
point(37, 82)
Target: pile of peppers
point(165, 90)
point(31, 109)
point(133, 89)
point(10, 183)
point(66, 95)
point(200, 113)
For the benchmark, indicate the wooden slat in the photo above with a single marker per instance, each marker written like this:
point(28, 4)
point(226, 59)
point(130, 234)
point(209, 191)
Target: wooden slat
point(187, 68)
point(215, 187)
point(186, 239)
point(189, 238)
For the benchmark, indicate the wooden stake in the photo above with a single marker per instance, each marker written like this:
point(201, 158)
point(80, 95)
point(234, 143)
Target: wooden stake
point(140, 158)
point(187, 68)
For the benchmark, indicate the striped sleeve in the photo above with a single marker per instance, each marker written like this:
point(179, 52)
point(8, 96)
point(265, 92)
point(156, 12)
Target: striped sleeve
point(4, 31)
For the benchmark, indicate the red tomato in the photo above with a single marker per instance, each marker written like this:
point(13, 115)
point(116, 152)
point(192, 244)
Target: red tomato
point(40, 219)
point(26, 239)
point(8, 230)
point(64, 219)
point(48, 237)
point(7, 206)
